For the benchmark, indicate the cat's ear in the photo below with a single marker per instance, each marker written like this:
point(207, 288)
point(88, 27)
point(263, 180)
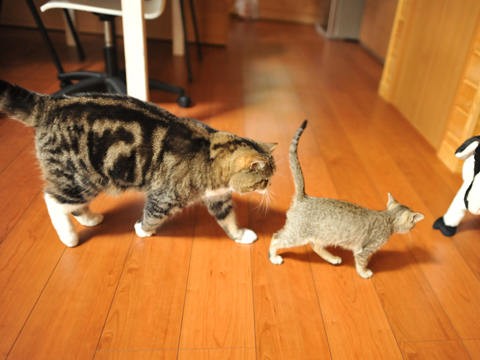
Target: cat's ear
point(269, 147)
point(257, 165)
point(217, 142)
point(418, 217)
point(391, 200)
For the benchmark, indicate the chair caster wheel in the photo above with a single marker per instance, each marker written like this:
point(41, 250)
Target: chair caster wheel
point(184, 101)
point(65, 83)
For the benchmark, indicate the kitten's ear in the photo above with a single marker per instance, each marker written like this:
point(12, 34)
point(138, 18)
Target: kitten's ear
point(269, 147)
point(418, 217)
point(391, 200)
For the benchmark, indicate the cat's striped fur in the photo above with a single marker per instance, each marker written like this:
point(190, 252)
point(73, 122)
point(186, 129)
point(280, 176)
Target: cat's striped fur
point(97, 142)
point(323, 222)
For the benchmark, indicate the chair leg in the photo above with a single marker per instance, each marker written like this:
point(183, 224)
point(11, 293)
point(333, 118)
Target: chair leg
point(78, 44)
point(116, 85)
point(82, 86)
point(183, 100)
point(185, 44)
point(193, 14)
point(110, 48)
point(46, 38)
point(80, 75)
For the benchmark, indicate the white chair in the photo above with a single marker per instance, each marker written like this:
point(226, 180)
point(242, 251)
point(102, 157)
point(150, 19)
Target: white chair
point(112, 79)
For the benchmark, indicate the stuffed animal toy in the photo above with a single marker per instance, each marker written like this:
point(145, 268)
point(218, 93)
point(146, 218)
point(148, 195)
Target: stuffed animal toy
point(468, 196)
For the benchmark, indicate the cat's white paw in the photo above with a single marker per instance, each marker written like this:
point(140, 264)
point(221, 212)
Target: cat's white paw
point(140, 232)
point(69, 239)
point(276, 259)
point(90, 219)
point(247, 237)
point(366, 274)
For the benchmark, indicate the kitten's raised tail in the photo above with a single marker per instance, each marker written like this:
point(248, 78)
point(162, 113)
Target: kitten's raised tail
point(19, 103)
point(295, 163)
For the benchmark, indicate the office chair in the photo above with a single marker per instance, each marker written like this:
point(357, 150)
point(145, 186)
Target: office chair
point(112, 79)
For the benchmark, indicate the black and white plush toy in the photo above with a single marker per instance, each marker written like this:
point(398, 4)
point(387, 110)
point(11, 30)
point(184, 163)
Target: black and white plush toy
point(468, 196)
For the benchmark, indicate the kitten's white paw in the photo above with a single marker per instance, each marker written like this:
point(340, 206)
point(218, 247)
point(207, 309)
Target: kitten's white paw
point(90, 219)
point(140, 232)
point(248, 237)
point(69, 239)
point(276, 259)
point(336, 260)
point(366, 274)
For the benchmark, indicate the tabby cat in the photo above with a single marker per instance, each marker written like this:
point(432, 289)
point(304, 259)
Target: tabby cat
point(323, 222)
point(97, 142)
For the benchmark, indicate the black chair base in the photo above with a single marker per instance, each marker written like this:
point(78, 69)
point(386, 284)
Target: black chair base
point(88, 81)
point(112, 80)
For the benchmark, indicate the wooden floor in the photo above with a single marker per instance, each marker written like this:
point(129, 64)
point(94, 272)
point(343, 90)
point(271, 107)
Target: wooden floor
point(190, 292)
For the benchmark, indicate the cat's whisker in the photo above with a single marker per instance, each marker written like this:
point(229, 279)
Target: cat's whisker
point(268, 200)
point(265, 202)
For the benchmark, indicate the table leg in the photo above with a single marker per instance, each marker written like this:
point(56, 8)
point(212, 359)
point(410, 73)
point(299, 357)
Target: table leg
point(134, 37)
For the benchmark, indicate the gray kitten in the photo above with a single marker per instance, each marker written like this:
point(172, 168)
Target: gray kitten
point(97, 142)
point(323, 222)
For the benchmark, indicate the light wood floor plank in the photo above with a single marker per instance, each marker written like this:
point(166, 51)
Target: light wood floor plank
point(79, 293)
point(435, 350)
point(218, 312)
point(473, 348)
point(20, 183)
point(217, 354)
point(139, 354)
point(14, 137)
point(28, 256)
point(148, 306)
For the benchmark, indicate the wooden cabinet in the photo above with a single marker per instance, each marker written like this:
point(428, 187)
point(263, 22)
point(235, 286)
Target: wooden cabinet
point(464, 119)
point(377, 22)
point(301, 11)
point(430, 73)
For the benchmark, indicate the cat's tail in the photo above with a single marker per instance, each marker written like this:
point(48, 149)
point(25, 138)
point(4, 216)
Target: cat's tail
point(295, 163)
point(19, 103)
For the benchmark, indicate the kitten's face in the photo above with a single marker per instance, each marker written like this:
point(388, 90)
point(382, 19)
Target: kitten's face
point(405, 219)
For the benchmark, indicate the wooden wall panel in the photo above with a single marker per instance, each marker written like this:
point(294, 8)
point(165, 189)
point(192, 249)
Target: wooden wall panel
point(377, 22)
point(303, 11)
point(464, 119)
point(426, 56)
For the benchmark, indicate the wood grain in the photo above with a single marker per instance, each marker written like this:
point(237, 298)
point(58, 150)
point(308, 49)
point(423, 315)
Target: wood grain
point(189, 291)
point(29, 254)
point(377, 23)
point(427, 55)
point(70, 300)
